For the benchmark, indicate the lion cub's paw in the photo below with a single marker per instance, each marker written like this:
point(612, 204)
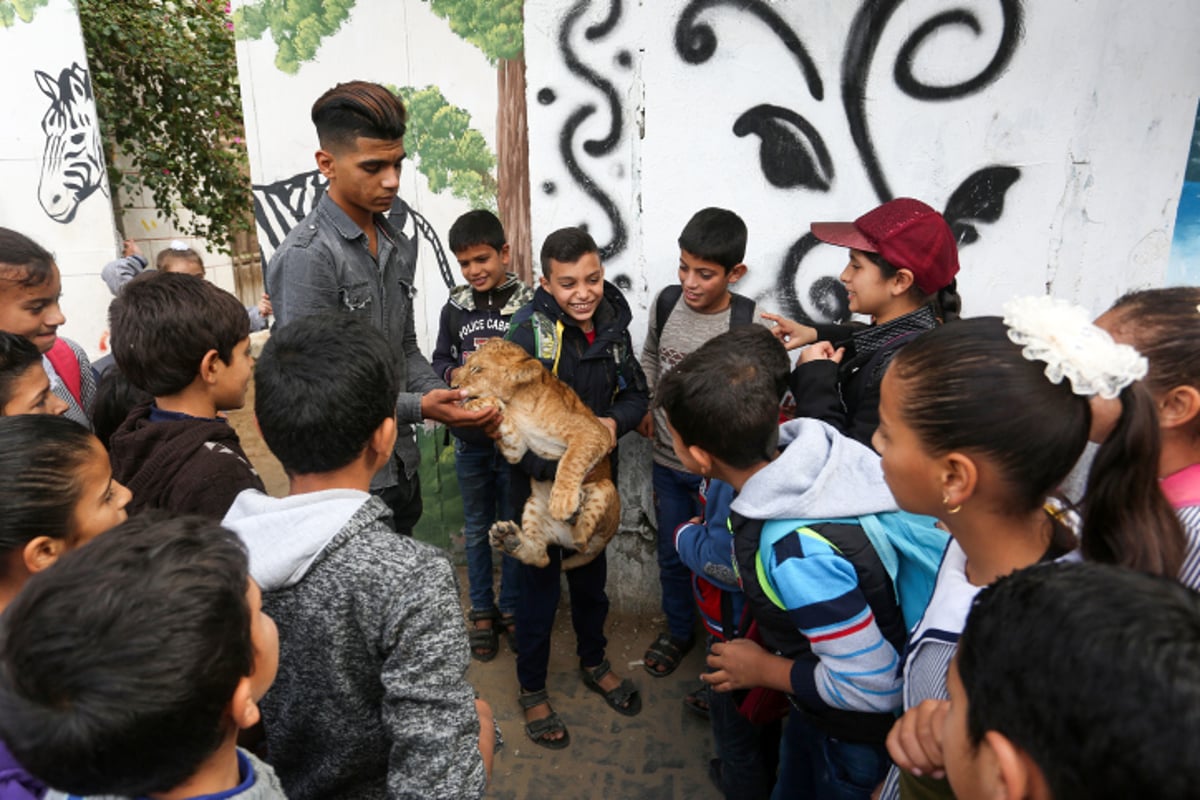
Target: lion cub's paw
point(505, 535)
point(564, 503)
point(480, 403)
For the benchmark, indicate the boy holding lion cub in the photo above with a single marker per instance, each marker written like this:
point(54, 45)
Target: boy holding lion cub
point(578, 326)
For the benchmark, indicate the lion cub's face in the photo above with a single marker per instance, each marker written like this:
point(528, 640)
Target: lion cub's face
point(497, 369)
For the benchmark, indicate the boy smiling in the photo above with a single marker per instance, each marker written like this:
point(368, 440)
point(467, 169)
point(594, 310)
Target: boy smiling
point(578, 326)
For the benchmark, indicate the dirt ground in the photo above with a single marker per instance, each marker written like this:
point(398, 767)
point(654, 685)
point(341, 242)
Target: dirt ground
point(661, 753)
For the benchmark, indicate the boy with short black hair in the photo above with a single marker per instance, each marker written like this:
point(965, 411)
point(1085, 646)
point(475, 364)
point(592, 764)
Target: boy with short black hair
point(475, 313)
point(130, 667)
point(30, 286)
point(186, 342)
point(578, 326)
point(1076, 681)
point(820, 593)
point(372, 699)
point(712, 247)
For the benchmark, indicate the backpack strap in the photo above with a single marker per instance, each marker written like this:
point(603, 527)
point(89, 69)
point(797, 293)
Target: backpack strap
point(547, 340)
point(66, 364)
point(741, 310)
point(668, 298)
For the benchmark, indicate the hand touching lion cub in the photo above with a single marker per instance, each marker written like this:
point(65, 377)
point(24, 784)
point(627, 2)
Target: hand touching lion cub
point(580, 508)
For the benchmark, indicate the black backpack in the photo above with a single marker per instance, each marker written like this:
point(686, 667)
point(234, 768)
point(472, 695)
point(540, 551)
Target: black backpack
point(741, 309)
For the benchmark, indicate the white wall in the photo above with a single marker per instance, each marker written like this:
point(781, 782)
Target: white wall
point(51, 43)
point(1095, 110)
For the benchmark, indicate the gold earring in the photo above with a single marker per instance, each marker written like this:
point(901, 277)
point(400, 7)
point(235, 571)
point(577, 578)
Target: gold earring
point(946, 502)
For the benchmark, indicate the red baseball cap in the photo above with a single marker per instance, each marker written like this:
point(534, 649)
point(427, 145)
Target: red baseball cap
point(908, 234)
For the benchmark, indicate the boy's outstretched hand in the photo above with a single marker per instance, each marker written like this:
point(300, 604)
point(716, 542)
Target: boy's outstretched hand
point(790, 332)
point(915, 741)
point(445, 406)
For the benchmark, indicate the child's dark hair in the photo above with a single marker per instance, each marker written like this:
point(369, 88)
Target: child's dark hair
point(716, 235)
point(323, 385)
point(117, 665)
point(17, 355)
point(172, 253)
point(40, 457)
point(566, 246)
point(1094, 672)
point(354, 109)
point(23, 260)
point(474, 228)
point(163, 323)
point(115, 398)
point(1164, 326)
point(947, 303)
point(966, 387)
point(724, 396)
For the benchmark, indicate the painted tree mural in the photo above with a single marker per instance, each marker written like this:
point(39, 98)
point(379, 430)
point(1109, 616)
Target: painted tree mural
point(13, 10)
point(497, 28)
point(450, 154)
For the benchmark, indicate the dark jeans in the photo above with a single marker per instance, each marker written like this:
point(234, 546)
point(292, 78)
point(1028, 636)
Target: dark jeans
point(748, 752)
point(815, 766)
point(483, 482)
point(405, 501)
point(676, 500)
point(537, 603)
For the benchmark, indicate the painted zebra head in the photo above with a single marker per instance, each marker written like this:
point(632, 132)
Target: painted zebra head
point(72, 163)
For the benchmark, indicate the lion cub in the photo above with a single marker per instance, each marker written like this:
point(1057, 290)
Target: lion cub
point(580, 508)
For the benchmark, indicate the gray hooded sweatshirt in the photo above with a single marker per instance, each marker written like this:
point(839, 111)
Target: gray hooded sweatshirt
point(820, 474)
point(371, 699)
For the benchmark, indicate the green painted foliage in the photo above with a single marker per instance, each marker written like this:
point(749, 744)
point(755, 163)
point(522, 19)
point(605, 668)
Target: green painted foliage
point(450, 153)
point(496, 27)
point(13, 10)
point(165, 80)
point(297, 26)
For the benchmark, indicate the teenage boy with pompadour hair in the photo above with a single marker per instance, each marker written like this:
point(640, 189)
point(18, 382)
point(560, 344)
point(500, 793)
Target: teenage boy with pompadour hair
point(372, 699)
point(346, 258)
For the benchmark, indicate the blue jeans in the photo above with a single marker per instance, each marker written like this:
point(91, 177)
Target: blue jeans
point(815, 766)
point(748, 752)
point(483, 482)
point(676, 500)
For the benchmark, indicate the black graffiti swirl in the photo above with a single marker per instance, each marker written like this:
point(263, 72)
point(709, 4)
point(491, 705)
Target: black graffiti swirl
point(593, 147)
point(605, 26)
point(619, 237)
point(867, 29)
point(826, 294)
point(696, 41)
point(792, 153)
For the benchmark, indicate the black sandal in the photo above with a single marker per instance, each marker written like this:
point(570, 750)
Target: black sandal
point(539, 729)
point(666, 651)
point(508, 624)
point(624, 699)
point(697, 701)
point(485, 642)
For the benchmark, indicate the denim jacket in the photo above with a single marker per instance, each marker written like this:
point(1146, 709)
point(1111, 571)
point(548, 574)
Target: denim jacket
point(325, 266)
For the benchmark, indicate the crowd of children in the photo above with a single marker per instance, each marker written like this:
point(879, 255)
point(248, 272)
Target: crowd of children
point(897, 597)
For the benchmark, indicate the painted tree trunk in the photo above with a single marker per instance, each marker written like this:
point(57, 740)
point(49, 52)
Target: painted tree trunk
point(512, 171)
